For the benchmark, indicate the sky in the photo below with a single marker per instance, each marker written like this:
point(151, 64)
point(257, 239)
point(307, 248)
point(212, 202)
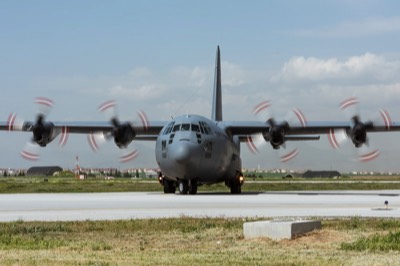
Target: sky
point(158, 56)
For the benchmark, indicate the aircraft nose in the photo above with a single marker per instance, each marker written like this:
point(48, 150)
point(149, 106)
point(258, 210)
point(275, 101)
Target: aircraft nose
point(183, 152)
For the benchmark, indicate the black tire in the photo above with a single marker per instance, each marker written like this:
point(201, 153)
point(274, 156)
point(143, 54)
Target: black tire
point(193, 187)
point(183, 187)
point(236, 187)
point(169, 187)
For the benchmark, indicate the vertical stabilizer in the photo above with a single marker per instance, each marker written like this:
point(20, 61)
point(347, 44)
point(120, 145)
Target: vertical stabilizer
point(216, 114)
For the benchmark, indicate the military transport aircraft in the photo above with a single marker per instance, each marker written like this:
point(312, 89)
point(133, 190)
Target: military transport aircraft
point(193, 150)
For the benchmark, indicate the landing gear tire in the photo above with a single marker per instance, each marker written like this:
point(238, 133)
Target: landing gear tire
point(236, 185)
point(169, 187)
point(193, 187)
point(183, 187)
point(236, 188)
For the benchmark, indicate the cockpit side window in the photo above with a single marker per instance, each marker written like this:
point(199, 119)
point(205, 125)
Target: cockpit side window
point(208, 128)
point(176, 128)
point(168, 128)
point(195, 128)
point(205, 127)
point(201, 128)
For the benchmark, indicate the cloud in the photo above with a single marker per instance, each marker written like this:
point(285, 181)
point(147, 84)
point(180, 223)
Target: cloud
point(369, 67)
point(140, 72)
point(189, 77)
point(143, 92)
point(232, 75)
point(355, 29)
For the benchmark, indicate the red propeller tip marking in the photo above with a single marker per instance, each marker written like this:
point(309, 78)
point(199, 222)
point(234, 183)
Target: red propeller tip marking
point(251, 145)
point(106, 105)
point(300, 116)
point(92, 142)
point(64, 136)
point(332, 139)
point(261, 106)
point(369, 156)
point(348, 102)
point(290, 155)
point(44, 101)
point(386, 118)
point(128, 157)
point(11, 121)
point(30, 156)
point(143, 118)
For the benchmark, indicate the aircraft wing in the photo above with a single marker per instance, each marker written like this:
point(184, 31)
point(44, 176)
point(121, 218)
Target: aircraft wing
point(312, 128)
point(305, 132)
point(153, 128)
point(149, 133)
point(43, 132)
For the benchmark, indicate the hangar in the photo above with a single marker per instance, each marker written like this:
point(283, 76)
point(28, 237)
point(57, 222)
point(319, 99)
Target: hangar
point(43, 170)
point(316, 174)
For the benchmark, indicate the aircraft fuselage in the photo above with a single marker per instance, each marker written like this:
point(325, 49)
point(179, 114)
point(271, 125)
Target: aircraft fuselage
point(192, 147)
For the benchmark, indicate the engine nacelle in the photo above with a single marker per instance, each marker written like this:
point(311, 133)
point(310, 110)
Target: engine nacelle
point(123, 135)
point(43, 133)
point(276, 134)
point(358, 133)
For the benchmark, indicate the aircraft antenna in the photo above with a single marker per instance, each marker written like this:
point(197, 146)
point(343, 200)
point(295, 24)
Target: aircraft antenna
point(189, 99)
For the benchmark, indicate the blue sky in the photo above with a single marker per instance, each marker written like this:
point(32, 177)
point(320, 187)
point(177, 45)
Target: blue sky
point(158, 56)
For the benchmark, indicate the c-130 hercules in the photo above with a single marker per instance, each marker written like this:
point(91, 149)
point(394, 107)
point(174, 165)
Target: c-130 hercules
point(192, 150)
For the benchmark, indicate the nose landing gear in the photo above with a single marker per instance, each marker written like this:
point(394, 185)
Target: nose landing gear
point(188, 186)
point(169, 185)
point(236, 184)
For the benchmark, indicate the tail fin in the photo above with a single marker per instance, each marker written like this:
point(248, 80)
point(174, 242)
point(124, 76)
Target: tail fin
point(216, 114)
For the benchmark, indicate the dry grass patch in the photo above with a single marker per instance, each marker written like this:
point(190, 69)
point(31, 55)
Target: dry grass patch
point(184, 241)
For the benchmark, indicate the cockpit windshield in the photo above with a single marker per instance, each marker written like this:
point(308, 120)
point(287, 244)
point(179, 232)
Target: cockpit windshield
point(185, 127)
point(176, 128)
point(202, 128)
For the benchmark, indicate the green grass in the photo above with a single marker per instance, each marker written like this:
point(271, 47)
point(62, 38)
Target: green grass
point(388, 242)
point(194, 241)
point(69, 184)
point(56, 184)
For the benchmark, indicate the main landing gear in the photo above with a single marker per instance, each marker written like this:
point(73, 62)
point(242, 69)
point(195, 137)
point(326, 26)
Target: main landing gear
point(169, 186)
point(236, 184)
point(186, 186)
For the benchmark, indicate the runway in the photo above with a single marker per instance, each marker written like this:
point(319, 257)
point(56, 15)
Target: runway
point(113, 206)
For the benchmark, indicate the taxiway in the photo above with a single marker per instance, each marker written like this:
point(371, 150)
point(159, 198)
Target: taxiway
point(113, 206)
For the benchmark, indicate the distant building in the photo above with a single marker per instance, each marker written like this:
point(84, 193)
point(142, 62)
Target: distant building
point(43, 170)
point(316, 174)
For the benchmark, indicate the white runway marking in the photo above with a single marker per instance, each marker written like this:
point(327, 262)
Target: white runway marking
point(113, 206)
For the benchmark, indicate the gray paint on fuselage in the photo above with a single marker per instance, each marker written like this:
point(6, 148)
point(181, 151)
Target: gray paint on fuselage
point(210, 158)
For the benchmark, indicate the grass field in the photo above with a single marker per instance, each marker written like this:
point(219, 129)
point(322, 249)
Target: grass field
point(69, 184)
point(193, 241)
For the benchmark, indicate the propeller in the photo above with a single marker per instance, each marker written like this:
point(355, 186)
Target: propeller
point(357, 132)
point(276, 135)
point(43, 132)
point(122, 132)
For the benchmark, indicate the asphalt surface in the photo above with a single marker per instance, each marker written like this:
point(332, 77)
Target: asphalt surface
point(138, 205)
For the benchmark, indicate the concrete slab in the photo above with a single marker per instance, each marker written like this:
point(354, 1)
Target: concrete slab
point(279, 229)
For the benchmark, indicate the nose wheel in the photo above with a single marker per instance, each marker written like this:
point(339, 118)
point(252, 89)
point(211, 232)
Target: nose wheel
point(169, 187)
point(187, 187)
point(183, 187)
